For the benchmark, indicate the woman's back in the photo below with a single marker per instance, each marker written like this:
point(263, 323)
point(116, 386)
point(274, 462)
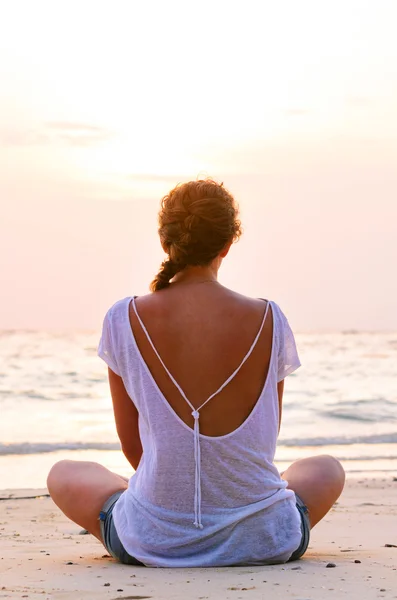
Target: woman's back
point(202, 331)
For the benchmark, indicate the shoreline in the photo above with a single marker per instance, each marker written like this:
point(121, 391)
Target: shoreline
point(30, 470)
point(44, 556)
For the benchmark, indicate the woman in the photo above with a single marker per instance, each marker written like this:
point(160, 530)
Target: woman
point(196, 374)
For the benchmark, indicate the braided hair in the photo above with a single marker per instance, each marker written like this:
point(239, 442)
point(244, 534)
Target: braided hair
point(196, 221)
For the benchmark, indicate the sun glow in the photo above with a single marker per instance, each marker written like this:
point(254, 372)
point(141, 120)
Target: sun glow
point(167, 87)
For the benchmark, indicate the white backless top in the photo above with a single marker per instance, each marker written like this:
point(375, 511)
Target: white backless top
point(197, 500)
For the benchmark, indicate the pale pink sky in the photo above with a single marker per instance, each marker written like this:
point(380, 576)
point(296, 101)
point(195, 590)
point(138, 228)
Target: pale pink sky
point(105, 106)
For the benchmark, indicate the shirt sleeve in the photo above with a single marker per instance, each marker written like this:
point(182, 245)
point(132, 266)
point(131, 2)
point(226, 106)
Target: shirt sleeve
point(288, 359)
point(106, 348)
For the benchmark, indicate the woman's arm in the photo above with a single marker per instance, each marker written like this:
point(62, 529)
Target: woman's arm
point(280, 390)
point(126, 417)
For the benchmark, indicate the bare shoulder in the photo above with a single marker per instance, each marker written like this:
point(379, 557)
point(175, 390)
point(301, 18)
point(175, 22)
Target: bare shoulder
point(199, 299)
point(247, 301)
point(244, 306)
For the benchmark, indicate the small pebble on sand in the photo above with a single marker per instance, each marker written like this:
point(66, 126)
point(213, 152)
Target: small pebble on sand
point(330, 565)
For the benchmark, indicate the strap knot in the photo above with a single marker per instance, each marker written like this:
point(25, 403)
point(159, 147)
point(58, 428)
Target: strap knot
point(195, 414)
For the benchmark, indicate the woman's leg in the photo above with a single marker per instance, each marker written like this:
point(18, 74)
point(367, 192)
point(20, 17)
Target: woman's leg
point(81, 488)
point(319, 481)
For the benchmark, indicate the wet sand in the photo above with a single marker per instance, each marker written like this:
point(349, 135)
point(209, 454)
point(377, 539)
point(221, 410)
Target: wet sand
point(44, 556)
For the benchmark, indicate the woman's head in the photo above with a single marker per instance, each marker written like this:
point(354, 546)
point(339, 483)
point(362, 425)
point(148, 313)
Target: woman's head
point(197, 221)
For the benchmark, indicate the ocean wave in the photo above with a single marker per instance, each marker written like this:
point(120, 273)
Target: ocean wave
point(345, 415)
point(381, 438)
point(44, 447)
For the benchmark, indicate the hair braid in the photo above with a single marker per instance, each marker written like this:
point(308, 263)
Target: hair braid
point(167, 271)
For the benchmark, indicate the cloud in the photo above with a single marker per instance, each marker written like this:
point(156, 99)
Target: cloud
point(27, 137)
point(59, 132)
point(84, 140)
point(74, 127)
point(78, 134)
point(296, 112)
point(358, 101)
point(155, 178)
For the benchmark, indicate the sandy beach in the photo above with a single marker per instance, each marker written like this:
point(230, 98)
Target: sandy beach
point(44, 556)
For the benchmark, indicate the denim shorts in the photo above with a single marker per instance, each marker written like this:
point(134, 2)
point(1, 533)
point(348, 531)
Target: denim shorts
point(110, 538)
point(116, 549)
point(305, 529)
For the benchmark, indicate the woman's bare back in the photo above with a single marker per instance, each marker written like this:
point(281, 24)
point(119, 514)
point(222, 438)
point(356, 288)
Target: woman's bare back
point(202, 331)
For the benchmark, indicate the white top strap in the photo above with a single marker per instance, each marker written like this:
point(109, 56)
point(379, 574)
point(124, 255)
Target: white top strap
point(182, 393)
point(246, 357)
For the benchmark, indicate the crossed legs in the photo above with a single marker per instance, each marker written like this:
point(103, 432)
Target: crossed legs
point(319, 482)
point(80, 488)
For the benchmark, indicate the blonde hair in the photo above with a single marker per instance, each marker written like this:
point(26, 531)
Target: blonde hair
point(196, 221)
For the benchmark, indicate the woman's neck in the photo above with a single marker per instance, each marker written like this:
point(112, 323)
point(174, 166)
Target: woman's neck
point(208, 273)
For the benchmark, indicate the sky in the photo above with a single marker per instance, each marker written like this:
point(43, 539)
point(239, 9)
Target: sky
point(105, 106)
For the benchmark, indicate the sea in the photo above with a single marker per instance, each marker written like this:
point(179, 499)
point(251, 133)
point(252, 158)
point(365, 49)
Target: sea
point(55, 403)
